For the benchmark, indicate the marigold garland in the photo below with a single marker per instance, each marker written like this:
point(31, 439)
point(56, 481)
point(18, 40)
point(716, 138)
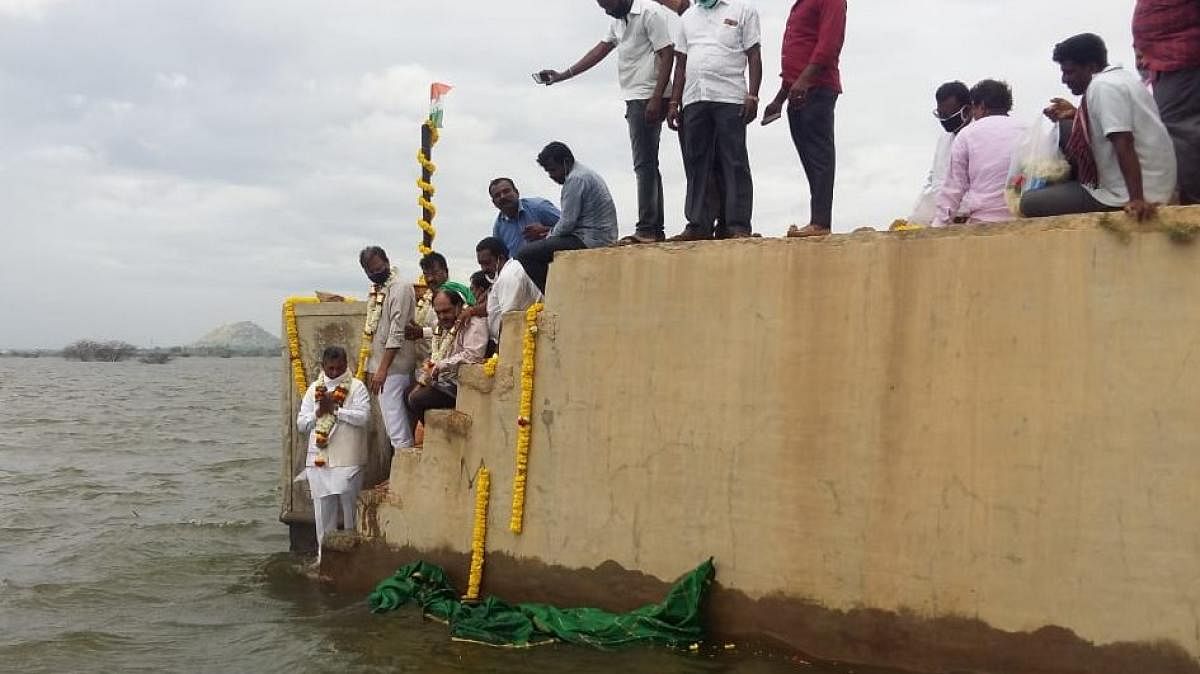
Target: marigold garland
point(483, 482)
point(524, 417)
point(425, 199)
point(489, 365)
point(299, 376)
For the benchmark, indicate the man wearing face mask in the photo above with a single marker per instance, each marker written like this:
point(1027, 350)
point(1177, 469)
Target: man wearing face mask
point(334, 414)
point(641, 34)
point(393, 358)
point(953, 113)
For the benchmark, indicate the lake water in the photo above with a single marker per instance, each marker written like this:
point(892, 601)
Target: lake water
point(140, 533)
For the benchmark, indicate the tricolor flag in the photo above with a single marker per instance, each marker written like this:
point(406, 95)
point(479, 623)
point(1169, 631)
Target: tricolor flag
point(437, 91)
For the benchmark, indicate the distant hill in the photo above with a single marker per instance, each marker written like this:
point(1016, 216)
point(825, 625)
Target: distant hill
point(243, 337)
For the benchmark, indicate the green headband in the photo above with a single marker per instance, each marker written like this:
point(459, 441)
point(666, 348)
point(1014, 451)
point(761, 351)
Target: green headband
point(459, 289)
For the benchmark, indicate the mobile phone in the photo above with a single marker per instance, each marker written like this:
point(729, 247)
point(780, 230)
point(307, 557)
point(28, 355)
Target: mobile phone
point(541, 78)
point(771, 118)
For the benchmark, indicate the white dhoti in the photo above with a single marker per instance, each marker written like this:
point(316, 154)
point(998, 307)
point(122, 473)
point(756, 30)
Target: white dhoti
point(395, 414)
point(331, 488)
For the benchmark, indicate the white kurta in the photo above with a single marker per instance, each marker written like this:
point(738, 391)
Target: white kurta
point(327, 481)
point(512, 291)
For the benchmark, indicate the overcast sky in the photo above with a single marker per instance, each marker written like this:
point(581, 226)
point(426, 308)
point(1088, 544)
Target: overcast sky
point(167, 166)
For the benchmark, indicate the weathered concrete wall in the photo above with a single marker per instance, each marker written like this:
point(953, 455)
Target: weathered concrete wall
point(909, 445)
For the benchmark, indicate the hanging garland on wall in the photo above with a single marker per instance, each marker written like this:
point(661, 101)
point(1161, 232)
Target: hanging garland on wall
point(483, 483)
point(299, 376)
point(524, 417)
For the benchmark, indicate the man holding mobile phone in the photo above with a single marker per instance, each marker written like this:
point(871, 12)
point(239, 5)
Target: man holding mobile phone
point(641, 34)
point(811, 84)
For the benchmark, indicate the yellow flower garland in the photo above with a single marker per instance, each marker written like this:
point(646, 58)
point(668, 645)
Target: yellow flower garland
point(483, 482)
point(524, 417)
point(489, 365)
point(424, 200)
point(299, 376)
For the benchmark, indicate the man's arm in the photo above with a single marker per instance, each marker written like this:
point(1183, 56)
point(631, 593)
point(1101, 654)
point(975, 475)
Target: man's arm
point(949, 198)
point(663, 59)
point(587, 62)
point(572, 207)
point(673, 112)
point(1131, 170)
point(474, 345)
point(307, 417)
point(357, 408)
point(750, 105)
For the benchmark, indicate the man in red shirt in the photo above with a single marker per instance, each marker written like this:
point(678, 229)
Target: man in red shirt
point(812, 45)
point(1167, 34)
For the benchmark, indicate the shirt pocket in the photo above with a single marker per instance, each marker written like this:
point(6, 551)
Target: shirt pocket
point(730, 36)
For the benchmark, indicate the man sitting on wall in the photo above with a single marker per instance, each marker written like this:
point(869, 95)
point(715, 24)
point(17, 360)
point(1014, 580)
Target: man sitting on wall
point(393, 358)
point(511, 290)
point(517, 213)
point(436, 272)
point(334, 414)
point(453, 345)
point(589, 217)
point(1119, 147)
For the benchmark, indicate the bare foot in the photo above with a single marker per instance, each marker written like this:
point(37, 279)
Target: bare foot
point(806, 231)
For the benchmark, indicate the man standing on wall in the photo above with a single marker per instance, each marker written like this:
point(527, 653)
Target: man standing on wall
point(517, 213)
point(953, 112)
point(641, 34)
point(1166, 34)
point(589, 217)
point(334, 413)
point(712, 103)
point(812, 47)
point(393, 358)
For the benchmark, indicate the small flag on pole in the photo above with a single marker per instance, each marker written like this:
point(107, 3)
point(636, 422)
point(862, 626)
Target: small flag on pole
point(437, 91)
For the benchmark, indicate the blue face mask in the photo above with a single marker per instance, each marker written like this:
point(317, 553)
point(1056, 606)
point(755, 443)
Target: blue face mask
point(707, 4)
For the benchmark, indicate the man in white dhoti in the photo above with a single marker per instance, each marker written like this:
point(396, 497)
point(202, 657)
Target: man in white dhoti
point(391, 307)
point(334, 412)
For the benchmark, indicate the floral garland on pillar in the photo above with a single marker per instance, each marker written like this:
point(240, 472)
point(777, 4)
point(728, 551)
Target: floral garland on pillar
point(483, 483)
point(489, 365)
point(524, 417)
point(424, 200)
point(299, 376)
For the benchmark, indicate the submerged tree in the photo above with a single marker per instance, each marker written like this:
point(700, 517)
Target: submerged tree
point(89, 350)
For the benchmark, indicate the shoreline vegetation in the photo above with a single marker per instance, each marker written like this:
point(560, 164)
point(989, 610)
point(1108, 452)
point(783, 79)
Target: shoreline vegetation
point(91, 351)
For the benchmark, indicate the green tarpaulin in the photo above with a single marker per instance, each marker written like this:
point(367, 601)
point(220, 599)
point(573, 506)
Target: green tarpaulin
point(675, 622)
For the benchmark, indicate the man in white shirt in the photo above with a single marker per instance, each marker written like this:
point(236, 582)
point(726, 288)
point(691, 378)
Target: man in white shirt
point(953, 113)
point(641, 34)
point(1119, 146)
point(512, 289)
point(334, 413)
point(393, 358)
point(719, 41)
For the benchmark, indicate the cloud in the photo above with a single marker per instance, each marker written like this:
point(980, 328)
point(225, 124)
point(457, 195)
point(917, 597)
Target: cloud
point(166, 167)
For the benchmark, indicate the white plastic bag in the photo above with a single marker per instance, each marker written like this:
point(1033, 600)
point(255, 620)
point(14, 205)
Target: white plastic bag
point(1037, 163)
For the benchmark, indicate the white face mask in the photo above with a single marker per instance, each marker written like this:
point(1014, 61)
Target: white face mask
point(334, 383)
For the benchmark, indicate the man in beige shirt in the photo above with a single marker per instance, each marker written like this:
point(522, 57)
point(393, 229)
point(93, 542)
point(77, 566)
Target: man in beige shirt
point(393, 358)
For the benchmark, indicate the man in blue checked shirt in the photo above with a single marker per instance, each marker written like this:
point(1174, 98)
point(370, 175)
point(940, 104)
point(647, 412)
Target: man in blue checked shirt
point(520, 220)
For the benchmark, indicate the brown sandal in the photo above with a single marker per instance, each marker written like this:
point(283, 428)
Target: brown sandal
point(635, 240)
point(806, 231)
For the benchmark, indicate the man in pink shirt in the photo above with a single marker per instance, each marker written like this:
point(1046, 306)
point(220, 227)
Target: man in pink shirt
point(980, 159)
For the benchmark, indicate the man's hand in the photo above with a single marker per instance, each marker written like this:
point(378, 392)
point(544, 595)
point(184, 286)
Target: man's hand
point(377, 381)
point(412, 331)
point(549, 77)
point(325, 406)
point(1059, 109)
point(799, 89)
point(673, 115)
point(463, 316)
point(535, 231)
point(1140, 209)
point(749, 109)
point(654, 110)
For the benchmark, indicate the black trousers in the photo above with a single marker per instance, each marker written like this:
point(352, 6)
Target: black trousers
point(643, 141)
point(1178, 97)
point(536, 256)
point(811, 124)
point(714, 133)
point(420, 399)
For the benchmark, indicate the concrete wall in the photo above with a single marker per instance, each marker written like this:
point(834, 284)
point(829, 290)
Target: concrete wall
point(996, 425)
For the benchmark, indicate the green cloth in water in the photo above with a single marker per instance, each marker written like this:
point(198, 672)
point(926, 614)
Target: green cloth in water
point(675, 622)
